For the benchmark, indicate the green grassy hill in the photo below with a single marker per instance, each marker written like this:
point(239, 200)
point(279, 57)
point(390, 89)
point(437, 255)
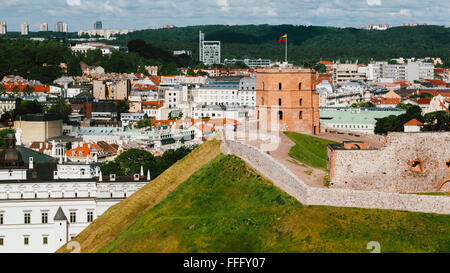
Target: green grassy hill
point(225, 206)
point(309, 150)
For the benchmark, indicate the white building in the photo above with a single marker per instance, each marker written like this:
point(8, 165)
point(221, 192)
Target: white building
point(130, 118)
point(107, 33)
point(239, 93)
point(43, 27)
point(410, 71)
point(209, 50)
point(25, 28)
point(83, 48)
point(44, 204)
point(3, 28)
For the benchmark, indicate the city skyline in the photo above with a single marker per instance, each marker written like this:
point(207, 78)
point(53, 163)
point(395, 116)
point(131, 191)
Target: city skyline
point(122, 14)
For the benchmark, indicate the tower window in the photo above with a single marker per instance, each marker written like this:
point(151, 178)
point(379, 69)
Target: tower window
point(299, 86)
point(279, 86)
point(279, 102)
point(300, 102)
point(280, 115)
point(300, 115)
point(416, 166)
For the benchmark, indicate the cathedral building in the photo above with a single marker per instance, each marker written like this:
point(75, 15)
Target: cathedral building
point(45, 202)
point(287, 97)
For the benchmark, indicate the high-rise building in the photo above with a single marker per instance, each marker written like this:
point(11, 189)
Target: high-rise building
point(61, 27)
point(286, 100)
point(25, 28)
point(3, 28)
point(98, 25)
point(43, 27)
point(209, 51)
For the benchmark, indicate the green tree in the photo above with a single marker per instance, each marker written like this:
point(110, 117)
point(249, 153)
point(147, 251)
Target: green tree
point(436, 121)
point(173, 116)
point(29, 107)
point(28, 90)
point(74, 67)
point(69, 145)
point(321, 68)
point(144, 123)
point(16, 90)
point(62, 109)
point(122, 107)
point(3, 134)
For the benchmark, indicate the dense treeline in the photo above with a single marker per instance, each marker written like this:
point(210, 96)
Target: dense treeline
point(42, 60)
point(130, 162)
point(307, 44)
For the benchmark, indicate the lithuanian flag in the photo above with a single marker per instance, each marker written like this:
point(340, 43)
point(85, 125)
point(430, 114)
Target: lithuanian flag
point(283, 38)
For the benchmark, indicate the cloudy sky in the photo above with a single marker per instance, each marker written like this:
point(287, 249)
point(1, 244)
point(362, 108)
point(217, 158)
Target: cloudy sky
point(140, 14)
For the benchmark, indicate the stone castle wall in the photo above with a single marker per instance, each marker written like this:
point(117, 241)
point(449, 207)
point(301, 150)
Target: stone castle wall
point(389, 169)
point(283, 178)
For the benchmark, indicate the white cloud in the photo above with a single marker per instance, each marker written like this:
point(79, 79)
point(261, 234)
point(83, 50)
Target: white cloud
point(223, 4)
point(73, 2)
point(374, 2)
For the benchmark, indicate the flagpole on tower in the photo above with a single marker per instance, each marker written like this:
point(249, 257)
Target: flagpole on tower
point(285, 54)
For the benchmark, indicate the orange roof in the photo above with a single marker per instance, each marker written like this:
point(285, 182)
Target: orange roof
point(83, 151)
point(424, 100)
point(413, 122)
point(437, 82)
point(444, 93)
point(152, 104)
point(155, 79)
point(324, 62)
point(383, 100)
point(37, 88)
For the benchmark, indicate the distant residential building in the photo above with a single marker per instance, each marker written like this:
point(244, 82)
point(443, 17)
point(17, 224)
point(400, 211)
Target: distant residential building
point(413, 126)
point(252, 63)
point(38, 127)
point(378, 26)
point(61, 27)
point(209, 50)
point(343, 73)
point(106, 49)
point(25, 28)
point(98, 25)
point(107, 33)
point(7, 104)
point(181, 52)
point(411, 71)
point(43, 27)
point(3, 28)
point(111, 89)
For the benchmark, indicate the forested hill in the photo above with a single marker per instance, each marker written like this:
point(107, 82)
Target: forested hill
point(306, 42)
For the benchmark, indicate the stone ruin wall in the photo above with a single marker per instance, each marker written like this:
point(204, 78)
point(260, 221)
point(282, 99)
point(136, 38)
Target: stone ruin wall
point(389, 169)
point(283, 178)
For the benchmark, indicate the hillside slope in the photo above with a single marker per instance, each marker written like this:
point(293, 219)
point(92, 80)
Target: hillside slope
point(119, 217)
point(227, 207)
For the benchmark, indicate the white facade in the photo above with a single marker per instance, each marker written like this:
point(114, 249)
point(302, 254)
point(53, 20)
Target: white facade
point(411, 71)
point(3, 28)
point(28, 206)
point(107, 33)
point(25, 28)
point(83, 48)
point(43, 27)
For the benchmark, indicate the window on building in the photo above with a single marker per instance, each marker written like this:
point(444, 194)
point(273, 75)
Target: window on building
point(90, 216)
point(280, 115)
point(1, 218)
point(416, 166)
point(279, 102)
point(279, 86)
point(44, 217)
point(26, 241)
point(299, 86)
point(27, 218)
point(300, 115)
point(300, 102)
point(73, 217)
point(447, 168)
point(2, 241)
point(45, 240)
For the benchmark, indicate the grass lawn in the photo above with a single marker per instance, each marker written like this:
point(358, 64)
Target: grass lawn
point(309, 150)
point(225, 206)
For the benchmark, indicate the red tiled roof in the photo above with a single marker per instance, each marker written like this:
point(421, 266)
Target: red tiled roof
point(37, 88)
point(435, 92)
point(155, 79)
point(424, 100)
point(324, 62)
point(413, 122)
point(437, 82)
point(83, 150)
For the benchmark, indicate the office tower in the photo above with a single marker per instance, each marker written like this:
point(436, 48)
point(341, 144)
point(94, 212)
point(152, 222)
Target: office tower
point(61, 27)
point(209, 50)
point(43, 27)
point(25, 28)
point(4, 28)
point(98, 25)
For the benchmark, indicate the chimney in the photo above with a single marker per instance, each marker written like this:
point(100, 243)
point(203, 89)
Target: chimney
point(30, 164)
point(95, 158)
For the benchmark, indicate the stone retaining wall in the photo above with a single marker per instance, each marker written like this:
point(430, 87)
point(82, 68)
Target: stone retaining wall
point(283, 178)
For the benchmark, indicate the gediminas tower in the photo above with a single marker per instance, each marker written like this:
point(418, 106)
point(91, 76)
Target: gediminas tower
point(291, 93)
